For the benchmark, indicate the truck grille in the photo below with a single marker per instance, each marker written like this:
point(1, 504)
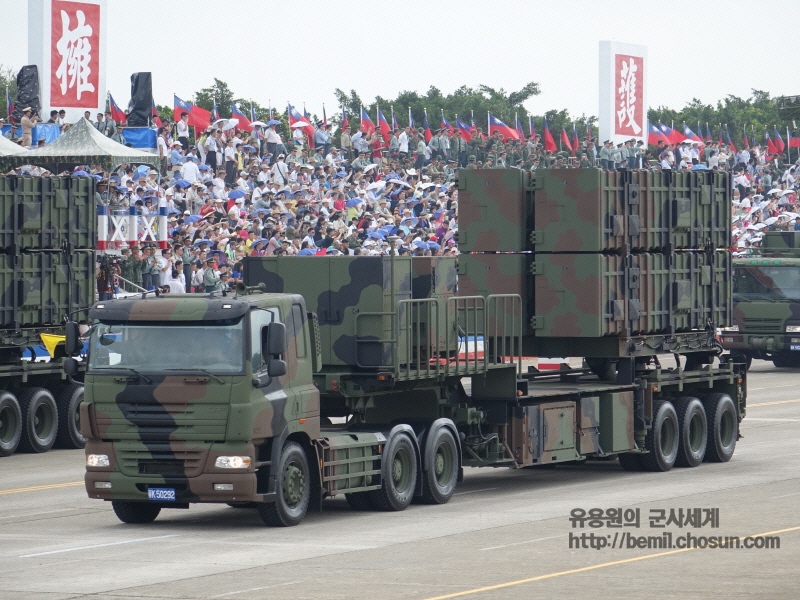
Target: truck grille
point(162, 461)
point(753, 325)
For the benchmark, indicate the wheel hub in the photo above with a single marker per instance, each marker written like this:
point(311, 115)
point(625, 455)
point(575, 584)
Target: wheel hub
point(293, 484)
point(397, 469)
point(438, 464)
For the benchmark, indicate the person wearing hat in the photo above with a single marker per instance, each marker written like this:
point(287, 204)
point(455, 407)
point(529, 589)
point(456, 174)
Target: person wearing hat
point(211, 277)
point(458, 148)
point(346, 143)
point(605, 155)
point(28, 122)
point(439, 145)
point(362, 162)
point(322, 139)
point(118, 137)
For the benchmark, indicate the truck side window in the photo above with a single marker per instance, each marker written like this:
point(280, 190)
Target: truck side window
point(299, 330)
point(259, 320)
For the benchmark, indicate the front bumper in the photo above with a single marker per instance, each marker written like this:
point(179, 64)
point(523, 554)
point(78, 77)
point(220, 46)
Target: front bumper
point(788, 342)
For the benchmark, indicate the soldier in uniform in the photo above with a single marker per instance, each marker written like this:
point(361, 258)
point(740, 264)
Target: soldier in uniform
point(210, 277)
point(476, 144)
point(501, 160)
point(471, 160)
point(605, 155)
point(126, 269)
point(458, 148)
point(361, 162)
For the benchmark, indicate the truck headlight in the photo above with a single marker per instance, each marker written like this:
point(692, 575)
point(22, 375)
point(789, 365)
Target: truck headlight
point(731, 328)
point(232, 462)
point(793, 329)
point(97, 460)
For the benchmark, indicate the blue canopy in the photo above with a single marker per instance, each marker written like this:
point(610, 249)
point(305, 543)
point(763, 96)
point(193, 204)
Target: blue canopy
point(236, 194)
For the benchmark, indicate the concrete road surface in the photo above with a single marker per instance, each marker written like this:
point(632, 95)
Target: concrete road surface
point(506, 534)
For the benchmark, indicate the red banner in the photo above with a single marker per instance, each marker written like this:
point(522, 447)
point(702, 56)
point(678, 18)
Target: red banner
point(75, 54)
point(628, 78)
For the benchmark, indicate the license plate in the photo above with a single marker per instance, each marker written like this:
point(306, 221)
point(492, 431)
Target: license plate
point(794, 347)
point(161, 494)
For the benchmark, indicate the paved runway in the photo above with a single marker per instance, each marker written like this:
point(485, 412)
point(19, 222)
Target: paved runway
point(506, 534)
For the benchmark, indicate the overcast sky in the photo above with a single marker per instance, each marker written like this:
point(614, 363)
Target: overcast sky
point(301, 51)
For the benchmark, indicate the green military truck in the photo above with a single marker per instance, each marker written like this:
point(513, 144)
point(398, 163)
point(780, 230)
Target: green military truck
point(48, 232)
point(766, 302)
point(381, 378)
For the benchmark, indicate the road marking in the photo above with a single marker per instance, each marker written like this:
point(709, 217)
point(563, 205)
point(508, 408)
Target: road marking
point(552, 537)
point(158, 537)
point(36, 488)
point(776, 402)
point(786, 495)
point(766, 419)
point(474, 491)
point(509, 584)
point(257, 588)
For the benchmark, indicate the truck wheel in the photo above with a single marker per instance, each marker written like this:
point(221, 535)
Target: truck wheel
point(780, 361)
point(399, 474)
point(662, 440)
point(10, 423)
point(359, 501)
point(722, 427)
point(293, 489)
point(439, 481)
point(693, 431)
point(39, 420)
point(68, 401)
point(630, 461)
point(135, 512)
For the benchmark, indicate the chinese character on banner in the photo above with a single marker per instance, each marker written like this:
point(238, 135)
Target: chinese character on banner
point(75, 54)
point(628, 80)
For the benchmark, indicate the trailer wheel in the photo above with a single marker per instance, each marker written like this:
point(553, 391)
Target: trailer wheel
point(722, 427)
point(630, 461)
point(10, 423)
point(135, 512)
point(68, 401)
point(39, 420)
point(293, 489)
point(662, 440)
point(399, 475)
point(780, 361)
point(693, 431)
point(359, 501)
point(441, 456)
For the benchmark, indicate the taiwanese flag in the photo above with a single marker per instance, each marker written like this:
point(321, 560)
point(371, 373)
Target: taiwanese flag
point(709, 137)
point(531, 128)
point(719, 133)
point(464, 129)
point(296, 117)
point(446, 125)
point(565, 140)
point(410, 118)
point(253, 116)
point(771, 149)
point(214, 111)
point(383, 125)
point(117, 113)
point(794, 142)
point(589, 130)
point(519, 127)
point(779, 145)
point(673, 136)
point(154, 114)
point(655, 135)
point(345, 121)
point(366, 122)
point(496, 124)
point(180, 106)
point(9, 106)
point(394, 120)
point(744, 136)
point(549, 143)
point(575, 143)
point(728, 135)
point(244, 122)
point(426, 128)
point(691, 134)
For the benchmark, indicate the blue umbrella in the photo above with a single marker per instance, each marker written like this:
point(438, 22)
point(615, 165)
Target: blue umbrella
point(170, 211)
point(182, 183)
point(341, 173)
point(260, 210)
point(434, 246)
point(80, 174)
point(247, 147)
point(699, 168)
point(143, 168)
point(98, 177)
point(236, 194)
point(307, 252)
point(422, 245)
point(192, 219)
point(273, 122)
point(353, 202)
point(377, 235)
point(198, 242)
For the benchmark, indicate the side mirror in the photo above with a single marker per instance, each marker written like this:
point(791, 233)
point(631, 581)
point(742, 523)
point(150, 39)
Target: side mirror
point(73, 344)
point(70, 366)
point(276, 340)
point(276, 367)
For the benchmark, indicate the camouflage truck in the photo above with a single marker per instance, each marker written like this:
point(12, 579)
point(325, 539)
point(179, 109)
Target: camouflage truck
point(381, 378)
point(766, 302)
point(48, 231)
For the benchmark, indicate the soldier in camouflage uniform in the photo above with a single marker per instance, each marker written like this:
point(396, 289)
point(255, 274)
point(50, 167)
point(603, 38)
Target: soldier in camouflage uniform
point(471, 162)
point(476, 144)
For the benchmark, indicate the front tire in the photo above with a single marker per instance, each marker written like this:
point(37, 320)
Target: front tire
point(293, 491)
point(135, 512)
point(399, 474)
point(441, 457)
point(39, 420)
point(693, 431)
point(68, 401)
point(10, 423)
point(662, 440)
point(723, 427)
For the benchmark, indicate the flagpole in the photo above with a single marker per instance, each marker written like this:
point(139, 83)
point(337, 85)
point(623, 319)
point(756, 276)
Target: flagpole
point(788, 148)
point(488, 124)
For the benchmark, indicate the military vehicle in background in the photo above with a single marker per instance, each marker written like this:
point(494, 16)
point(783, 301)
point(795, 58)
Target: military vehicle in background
point(766, 302)
point(381, 377)
point(48, 231)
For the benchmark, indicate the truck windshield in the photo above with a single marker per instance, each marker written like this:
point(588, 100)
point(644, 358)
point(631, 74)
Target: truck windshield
point(766, 283)
point(216, 346)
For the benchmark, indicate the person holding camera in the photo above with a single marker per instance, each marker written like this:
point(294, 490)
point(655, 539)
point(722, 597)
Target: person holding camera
point(28, 122)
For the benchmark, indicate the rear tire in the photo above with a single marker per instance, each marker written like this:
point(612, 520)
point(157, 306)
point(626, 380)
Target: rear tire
point(359, 501)
point(68, 401)
point(723, 427)
point(662, 440)
point(135, 512)
point(441, 457)
point(39, 420)
point(630, 461)
point(10, 423)
point(293, 491)
point(693, 431)
point(398, 474)
point(780, 361)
